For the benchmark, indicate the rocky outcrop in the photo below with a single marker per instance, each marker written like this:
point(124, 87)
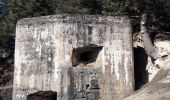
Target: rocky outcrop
point(157, 89)
point(158, 86)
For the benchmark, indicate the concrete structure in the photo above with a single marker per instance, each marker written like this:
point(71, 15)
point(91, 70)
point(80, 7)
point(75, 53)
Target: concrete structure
point(79, 57)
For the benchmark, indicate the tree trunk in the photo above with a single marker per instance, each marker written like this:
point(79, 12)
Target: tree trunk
point(148, 46)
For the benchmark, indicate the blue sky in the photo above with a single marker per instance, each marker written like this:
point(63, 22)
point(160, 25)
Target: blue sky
point(1, 3)
point(2, 6)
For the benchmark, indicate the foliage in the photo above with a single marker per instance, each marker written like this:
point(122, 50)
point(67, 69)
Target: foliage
point(13, 10)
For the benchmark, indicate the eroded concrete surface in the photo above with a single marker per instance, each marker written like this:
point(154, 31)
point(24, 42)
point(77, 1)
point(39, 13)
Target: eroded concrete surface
point(44, 57)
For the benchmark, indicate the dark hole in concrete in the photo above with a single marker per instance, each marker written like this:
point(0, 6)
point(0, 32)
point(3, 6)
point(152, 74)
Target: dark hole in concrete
point(140, 62)
point(90, 30)
point(87, 86)
point(85, 55)
point(43, 95)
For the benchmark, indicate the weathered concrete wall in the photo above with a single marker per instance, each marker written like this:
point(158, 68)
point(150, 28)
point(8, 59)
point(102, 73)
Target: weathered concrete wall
point(47, 57)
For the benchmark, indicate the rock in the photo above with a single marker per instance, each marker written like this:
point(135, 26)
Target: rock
point(157, 89)
point(163, 47)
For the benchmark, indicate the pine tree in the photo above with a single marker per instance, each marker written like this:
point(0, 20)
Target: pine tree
point(158, 11)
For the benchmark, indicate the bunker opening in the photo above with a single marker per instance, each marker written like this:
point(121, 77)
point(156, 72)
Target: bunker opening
point(43, 95)
point(85, 55)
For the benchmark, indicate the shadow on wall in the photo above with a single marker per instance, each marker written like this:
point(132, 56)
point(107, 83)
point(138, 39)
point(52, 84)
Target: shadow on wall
point(140, 63)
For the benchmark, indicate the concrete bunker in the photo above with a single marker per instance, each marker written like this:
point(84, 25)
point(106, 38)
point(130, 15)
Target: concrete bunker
point(50, 51)
point(85, 55)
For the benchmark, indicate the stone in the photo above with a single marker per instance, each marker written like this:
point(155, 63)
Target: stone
point(157, 89)
point(163, 50)
point(158, 85)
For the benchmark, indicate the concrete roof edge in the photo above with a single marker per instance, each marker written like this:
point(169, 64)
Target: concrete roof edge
point(73, 18)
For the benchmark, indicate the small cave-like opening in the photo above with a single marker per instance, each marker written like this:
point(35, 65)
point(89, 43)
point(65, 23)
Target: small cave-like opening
point(140, 63)
point(43, 95)
point(85, 55)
